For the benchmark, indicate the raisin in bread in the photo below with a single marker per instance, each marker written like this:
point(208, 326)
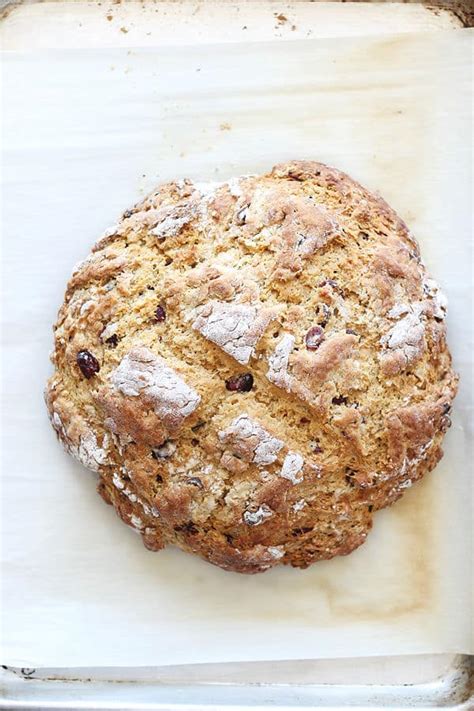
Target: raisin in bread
point(254, 367)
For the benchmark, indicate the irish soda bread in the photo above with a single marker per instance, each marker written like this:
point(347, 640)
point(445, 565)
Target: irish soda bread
point(253, 368)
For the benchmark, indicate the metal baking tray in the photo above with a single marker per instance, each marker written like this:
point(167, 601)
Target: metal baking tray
point(410, 682)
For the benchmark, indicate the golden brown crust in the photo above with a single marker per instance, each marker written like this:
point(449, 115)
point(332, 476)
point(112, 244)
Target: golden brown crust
point(266, 366)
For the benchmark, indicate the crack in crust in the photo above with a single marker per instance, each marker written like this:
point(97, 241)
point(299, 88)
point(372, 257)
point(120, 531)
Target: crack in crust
point(305, 373)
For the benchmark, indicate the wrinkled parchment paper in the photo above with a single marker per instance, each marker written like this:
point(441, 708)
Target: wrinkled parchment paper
point(86, 133)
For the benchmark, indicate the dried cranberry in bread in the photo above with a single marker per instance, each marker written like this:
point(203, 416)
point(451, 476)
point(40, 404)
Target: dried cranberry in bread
point(254, 367)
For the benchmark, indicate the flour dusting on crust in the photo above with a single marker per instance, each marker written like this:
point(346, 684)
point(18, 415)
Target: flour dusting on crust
point(278, 362)
point(236, 328)
point(440, 302)
point(299, 505)
point(142, 373)
point(250, 441)
point(405, 340)
point(171, 220)
point(255, 518)
point(276, 551)
point(86, 448)
point(292, 466)
point(89, 453)
point(120, 484)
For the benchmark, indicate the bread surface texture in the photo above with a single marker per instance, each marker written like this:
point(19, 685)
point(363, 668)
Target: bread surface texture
point(254, 367)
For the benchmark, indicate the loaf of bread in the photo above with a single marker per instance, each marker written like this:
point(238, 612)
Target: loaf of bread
point(254, 367)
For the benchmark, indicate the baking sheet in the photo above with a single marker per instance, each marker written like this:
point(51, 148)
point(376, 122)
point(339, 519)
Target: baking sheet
point(86, 133)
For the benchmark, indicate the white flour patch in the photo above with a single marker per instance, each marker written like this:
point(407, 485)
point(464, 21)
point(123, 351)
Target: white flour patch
point(83, 263)
point(171, 220)
point(136, 522)
point(165, 451)
point(86, 306)
point(169, 227)
point(236, 328)
point(276, 552)
point(299, 505)
point(407, 335)
point(119, 484)
point(58, 425)
point(208, 190)
point(407, 332)
point(117, 481)
point(292, 466)
point(109, 330)
point(234, 187)
point(110, 231)
point(140, 372)
point(316, 469)
point(250, 441)
point(419, 457)
point(440, 302)
point(278, 362)
point(89, 453)
point(255, 518)
point(398, 310)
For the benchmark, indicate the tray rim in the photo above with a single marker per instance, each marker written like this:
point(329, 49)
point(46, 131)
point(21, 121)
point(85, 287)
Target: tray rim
point(80, 690)
point(77, 689)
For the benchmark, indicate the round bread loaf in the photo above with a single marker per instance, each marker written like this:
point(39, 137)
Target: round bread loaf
point(254, 367)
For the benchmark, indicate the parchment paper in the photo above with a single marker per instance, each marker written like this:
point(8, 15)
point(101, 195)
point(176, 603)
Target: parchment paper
point(85, 134)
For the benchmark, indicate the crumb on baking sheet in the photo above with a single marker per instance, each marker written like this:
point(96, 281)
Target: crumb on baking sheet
point(280, 17)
